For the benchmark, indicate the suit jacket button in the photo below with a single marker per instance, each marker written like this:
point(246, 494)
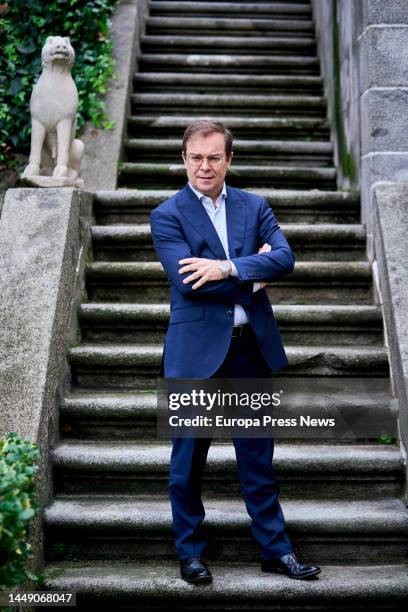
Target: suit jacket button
point(230, 313)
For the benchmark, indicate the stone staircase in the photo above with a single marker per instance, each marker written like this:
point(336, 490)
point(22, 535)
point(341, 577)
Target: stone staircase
point(108, 531)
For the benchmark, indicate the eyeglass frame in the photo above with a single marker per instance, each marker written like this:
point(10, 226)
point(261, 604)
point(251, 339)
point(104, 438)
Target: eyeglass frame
point(186, 159)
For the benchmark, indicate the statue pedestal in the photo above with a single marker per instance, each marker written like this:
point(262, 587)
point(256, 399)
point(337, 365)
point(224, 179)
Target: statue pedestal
point(51, 181)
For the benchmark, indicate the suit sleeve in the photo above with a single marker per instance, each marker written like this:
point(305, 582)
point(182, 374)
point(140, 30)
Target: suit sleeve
point(270, 266)
point(171, 246)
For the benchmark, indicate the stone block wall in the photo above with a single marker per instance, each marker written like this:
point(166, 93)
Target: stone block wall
point(363, 47)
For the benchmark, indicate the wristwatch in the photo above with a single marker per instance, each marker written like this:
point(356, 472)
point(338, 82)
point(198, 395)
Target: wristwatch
point(225, 268)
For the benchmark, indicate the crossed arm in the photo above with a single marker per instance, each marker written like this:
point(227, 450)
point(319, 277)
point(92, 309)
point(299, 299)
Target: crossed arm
point(171, 247)
point(273, 260)
point(204, 270)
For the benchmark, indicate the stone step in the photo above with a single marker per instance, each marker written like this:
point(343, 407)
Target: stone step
point(140, 527)
point(282, 10)
point(135, 366)
point(312, 282)
point(241, 176)
point(101, 415)
point(317, 242)
point(261, 152)
point(228, 104)
point(307, 325)
point(232, 26)
point(288, 43)
point(234, 83)
point(235, 64)
point(305, 471)
point(299, 128)
point(309, 206)
point(157, 585)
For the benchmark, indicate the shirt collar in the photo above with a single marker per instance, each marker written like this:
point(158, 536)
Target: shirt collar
point(200, 195)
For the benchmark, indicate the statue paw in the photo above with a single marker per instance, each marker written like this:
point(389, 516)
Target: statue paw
point(60, 171)
point(30, 170)
point(72, 174)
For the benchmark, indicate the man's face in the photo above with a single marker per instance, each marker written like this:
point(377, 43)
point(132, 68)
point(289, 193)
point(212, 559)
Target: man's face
point(208, 178)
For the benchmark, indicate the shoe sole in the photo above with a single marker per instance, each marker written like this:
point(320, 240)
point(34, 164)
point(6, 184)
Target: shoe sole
point(304, 577)
point(199, 580)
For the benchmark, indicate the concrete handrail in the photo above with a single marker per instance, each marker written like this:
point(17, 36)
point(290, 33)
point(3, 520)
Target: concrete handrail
point(390, 246)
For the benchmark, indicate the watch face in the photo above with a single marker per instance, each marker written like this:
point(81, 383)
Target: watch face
point(224, 266)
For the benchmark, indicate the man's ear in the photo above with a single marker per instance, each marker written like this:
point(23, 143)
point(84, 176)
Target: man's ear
point(229, 160)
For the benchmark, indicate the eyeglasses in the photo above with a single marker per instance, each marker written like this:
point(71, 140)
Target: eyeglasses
point(197, 160)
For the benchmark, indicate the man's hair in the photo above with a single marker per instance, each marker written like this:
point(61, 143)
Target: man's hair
point(205, 128)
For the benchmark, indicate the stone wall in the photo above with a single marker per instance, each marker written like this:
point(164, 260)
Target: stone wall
point(363, 47)
point(44, 238)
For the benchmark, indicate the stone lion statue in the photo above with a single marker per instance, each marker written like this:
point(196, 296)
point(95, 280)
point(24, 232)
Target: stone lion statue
point(56, 154)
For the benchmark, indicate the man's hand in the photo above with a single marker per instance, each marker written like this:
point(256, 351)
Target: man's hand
point(208, 269)
point(203, 269)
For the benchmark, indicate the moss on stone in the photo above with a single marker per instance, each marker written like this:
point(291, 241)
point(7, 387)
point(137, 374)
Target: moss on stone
point(347, 162)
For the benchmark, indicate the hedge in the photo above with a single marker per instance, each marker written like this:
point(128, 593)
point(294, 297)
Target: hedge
point(18, 505)
point(24, 27)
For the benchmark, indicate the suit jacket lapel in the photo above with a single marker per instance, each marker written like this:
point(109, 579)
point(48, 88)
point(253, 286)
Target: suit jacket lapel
point(192, 208)
point(236, 222)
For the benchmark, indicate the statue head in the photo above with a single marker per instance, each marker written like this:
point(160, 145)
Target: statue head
point(57, 49)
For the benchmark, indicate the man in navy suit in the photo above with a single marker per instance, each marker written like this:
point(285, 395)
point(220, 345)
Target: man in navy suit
point(219, 247)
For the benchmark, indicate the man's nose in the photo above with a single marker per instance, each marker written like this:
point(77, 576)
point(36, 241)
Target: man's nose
point(205, 165)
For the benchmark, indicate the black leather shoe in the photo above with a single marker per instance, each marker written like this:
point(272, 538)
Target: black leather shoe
point(289, 565)
point(194, 570)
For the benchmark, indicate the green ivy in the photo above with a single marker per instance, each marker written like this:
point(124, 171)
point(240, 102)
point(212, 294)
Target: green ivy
point(18, 505)
point(385, 439)
point(24, 27)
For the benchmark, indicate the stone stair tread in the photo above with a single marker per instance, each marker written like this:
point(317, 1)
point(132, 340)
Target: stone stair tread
point(349, 460)
point(316, 313)
point(316, 197)
point(108, 404)
point(215, 25)
point(177, 169)
point(234, 122)
point(317, 231)
point(269, 172)
point(142, 359)
point(240, 146)
point(246, 100)
point(310, 206)
point(312, 269)
point(227, 43)
point(156, 583)
point(191, 78)
point(224, 60)
point(126, 404)
point(232, 7)
point(130, 513)
point(127, 351)
point(288, 33)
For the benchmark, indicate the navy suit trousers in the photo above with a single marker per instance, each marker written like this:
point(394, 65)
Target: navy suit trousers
point(258, 482)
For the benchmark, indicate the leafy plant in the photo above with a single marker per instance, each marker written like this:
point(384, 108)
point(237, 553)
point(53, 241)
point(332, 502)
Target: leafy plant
point(385, 439)
point(24, 27)
point(18, 505)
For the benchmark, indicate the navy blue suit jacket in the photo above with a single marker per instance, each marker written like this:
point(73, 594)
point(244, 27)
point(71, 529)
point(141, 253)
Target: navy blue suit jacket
point(201, 320)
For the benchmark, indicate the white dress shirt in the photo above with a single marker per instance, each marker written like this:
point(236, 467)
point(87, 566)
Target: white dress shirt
point(217, 214)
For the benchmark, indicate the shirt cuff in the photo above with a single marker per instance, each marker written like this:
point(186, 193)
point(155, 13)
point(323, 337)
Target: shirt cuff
point(257, 286)
point(234, 271)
